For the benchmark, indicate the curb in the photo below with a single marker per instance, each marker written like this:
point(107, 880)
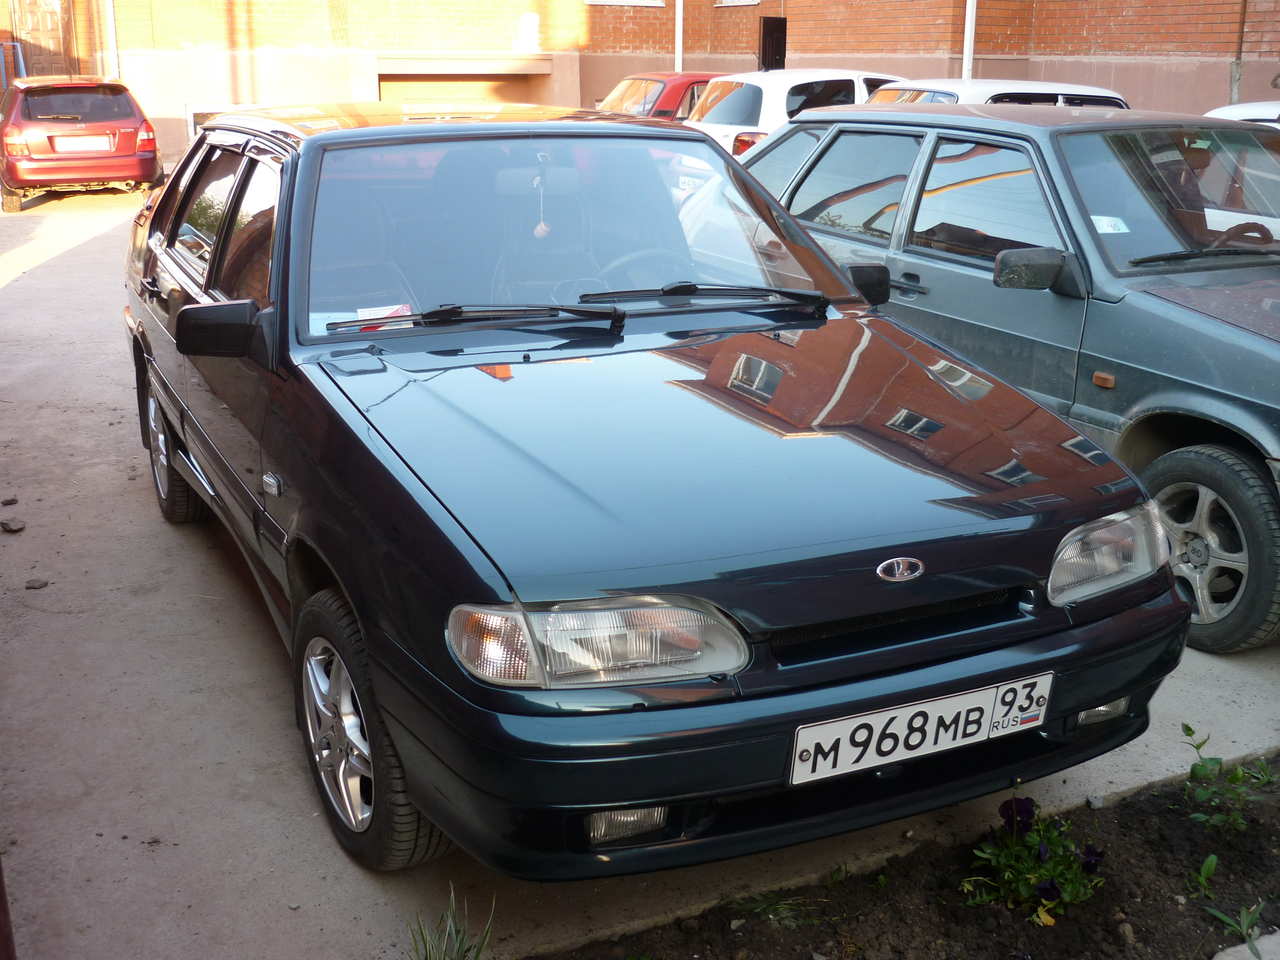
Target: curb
point(7, 950)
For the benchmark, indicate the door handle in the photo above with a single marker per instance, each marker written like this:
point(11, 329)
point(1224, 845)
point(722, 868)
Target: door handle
point(150, 286)
point(909, 283)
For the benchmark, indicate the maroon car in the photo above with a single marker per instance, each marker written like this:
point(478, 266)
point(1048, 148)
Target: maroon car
point(668, 95)
point(72, 133)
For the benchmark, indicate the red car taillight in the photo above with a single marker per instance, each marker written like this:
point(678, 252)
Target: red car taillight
point(15, 144)
point(743, 141)
point(146, 137)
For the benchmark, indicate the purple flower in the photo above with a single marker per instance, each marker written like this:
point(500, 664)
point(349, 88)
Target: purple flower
point(1047, 890)
point(1091, 859)
point(1044, 852)
point(1018, 813)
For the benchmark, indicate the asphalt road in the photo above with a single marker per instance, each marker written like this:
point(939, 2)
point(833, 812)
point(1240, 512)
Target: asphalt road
point(154, 801)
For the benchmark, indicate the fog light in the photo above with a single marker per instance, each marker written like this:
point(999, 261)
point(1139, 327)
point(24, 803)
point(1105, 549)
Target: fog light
point(617, 824)
point(1115, 708)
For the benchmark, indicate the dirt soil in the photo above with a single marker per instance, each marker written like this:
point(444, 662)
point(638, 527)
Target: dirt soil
point(912, 908)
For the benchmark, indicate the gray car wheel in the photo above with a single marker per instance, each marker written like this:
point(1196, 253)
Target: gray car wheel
point(179, 503)
point(1223, 521)
point(353, 761)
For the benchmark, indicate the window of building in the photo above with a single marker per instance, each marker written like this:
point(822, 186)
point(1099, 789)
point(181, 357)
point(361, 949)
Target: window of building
point(246, 265)
point(204, 210)
point(1087, 450)
point(856, 185)
point(913, 424)
point(1015, 474)
point(964, 382)
point(981, 198)
point(625, 3)
point(755, 378)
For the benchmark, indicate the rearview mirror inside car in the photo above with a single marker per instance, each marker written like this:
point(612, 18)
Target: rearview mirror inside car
point(1029, 268)
point(216, 329)
point(872, 281)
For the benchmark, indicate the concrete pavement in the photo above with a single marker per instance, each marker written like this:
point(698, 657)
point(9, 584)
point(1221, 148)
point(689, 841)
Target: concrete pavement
point(154, 800)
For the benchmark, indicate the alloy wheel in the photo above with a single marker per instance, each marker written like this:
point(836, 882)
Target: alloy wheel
point(159, 437)
point(1209, 552)
point(337, 734)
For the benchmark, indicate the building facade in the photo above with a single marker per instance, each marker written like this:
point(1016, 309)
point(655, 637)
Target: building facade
point(188, 58)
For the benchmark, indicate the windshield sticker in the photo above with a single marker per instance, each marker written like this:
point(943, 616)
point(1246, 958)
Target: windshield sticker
point(382, 313)
point(1109, 225)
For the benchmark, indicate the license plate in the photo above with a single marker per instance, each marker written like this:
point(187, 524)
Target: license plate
point(869, 740)
point(82, 144)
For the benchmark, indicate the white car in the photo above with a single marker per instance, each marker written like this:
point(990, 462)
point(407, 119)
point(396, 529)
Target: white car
point(1039, 92)
point(1260, 111)
point(739, 110)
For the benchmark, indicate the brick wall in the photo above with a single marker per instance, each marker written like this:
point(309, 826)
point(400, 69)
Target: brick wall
point(1154, 28)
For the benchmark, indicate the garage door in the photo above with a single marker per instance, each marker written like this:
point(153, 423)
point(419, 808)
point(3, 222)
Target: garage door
point(455, 88)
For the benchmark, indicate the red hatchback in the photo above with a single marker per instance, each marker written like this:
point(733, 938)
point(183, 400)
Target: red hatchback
point(668, 95)
point(72, 133)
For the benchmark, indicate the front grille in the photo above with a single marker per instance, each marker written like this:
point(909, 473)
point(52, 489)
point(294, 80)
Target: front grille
point(894, 626)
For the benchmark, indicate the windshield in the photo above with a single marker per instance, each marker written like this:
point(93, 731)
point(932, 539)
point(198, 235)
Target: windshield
point(1151, 192)
point(85, 104)
point(905, 95)
point(729, 102)
point(400, 229)
point(634, 96)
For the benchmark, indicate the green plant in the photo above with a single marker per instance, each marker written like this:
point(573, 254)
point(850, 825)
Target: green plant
point(1245, 927)
point(839, 874)
point(449, 939)
point(1200, 885)
point(879, 881)
point(1210, 785)
point(1260, 773)
point(786, 912)
point(1032, 863)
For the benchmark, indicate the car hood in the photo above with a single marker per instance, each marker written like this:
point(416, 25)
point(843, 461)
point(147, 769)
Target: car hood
point(768, 472)
point(1247, 297)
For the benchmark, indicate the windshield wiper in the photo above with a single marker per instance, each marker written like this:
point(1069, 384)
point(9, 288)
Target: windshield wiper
point(522, 313)
point(688, 288)
point(1194, 252)
point(58, 116)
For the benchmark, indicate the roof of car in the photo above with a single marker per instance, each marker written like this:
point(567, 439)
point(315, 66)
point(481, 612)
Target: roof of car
point(672, 75)
point(1269, 109)
point(990, 87)
point(1003, 116)
point(300, 122)
point(61, 80)
point(787, 78)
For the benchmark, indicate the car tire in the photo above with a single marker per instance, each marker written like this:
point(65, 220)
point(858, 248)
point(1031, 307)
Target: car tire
point(353, 762)
point(179, 502)
point(1221, 513)
point(10, 200)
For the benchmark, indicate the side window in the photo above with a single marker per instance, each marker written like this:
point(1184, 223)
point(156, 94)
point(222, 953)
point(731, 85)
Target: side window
point(856, 186)
point(980, 199)
point(203, 209)
point(820, 93)
point(246, 263)
point(690, 98)
point(776, 168)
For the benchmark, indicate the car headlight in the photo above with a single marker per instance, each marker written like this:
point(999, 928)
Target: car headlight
point(615, 641)
point(1117, 550)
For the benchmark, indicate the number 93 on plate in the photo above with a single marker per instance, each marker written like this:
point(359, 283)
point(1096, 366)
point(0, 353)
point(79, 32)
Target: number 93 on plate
point(870, 740)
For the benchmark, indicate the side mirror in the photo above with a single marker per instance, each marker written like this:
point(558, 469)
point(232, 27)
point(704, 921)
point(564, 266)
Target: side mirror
point(872, 281)
point(1030, 268)
point(216, 329)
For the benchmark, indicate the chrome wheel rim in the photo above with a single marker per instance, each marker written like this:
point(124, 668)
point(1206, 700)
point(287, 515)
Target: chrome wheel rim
point(337, 734)
point(1209, 553)
point(159, 446)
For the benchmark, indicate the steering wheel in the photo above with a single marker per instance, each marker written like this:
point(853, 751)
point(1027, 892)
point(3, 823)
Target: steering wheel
point(1236, 231)
point(655, 254)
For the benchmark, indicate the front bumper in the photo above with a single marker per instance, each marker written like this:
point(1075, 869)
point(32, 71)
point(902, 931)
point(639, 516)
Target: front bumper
point(515, 790)
point(42, 173)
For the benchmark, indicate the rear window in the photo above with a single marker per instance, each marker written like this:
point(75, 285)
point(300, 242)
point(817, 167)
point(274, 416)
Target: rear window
point(730, 102)
point(821, 93)
point(634, 96)
point(900, 95)
point(79, 104)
